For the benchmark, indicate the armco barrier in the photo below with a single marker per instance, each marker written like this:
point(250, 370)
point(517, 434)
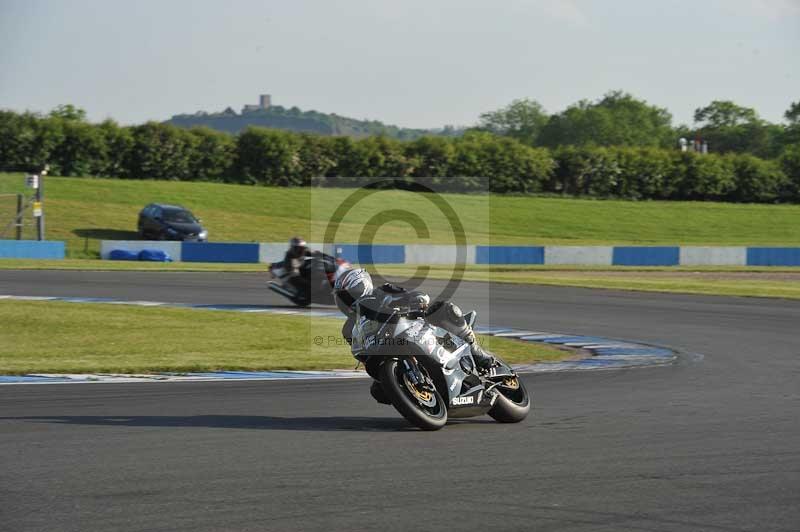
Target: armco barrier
point(373, 254)
point(646, 256)
point(509, 255)
point(773, 256)
point(31, 249)
point(442, 254)
point(713, 256)
point(219, 252)
point(589, 255)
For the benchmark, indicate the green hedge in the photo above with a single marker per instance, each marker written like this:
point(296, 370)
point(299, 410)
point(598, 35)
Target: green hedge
point(476, 161)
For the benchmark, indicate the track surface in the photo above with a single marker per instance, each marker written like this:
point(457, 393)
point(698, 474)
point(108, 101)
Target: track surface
point(712, 443)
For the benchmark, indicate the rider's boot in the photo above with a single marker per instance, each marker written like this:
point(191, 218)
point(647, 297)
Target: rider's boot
point(483, 359)
point(377, 393)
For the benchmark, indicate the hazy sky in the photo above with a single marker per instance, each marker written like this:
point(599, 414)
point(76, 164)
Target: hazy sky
point(415, 63)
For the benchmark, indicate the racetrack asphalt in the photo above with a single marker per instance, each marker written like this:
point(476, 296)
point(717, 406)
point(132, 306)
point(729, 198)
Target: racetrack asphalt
point(710, 443)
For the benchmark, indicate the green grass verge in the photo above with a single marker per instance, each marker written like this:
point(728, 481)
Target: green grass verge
point(82, 211)
point(123, 265)
point(764, 282)
point(59, 337)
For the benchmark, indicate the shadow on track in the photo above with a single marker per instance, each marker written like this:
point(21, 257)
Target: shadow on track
point(314, 424)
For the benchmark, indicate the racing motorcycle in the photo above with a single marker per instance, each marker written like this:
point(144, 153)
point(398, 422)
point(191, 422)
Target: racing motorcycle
point(429, 374)
point(317, 275)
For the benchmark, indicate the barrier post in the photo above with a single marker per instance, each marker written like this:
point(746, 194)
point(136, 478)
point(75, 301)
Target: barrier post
point(38, 203)
point(20, 219)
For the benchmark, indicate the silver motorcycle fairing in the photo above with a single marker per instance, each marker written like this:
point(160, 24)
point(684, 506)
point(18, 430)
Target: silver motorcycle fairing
point(418, 338)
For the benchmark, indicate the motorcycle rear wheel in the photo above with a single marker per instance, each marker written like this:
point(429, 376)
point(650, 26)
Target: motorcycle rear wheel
point(513, 402)
point(403, 398)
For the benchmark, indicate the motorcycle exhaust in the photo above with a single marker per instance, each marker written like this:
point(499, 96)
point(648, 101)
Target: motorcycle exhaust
point(275, 287)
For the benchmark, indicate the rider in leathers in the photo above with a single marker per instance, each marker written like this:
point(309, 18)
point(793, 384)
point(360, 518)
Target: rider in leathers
point(293, 260)
point(355, 288)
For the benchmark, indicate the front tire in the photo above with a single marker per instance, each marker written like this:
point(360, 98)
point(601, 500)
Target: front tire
point(513, 402)
point(431, 416)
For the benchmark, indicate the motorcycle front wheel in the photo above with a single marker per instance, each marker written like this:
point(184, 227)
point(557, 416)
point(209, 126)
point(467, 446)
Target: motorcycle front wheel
point(421, 405)
point(513, 402)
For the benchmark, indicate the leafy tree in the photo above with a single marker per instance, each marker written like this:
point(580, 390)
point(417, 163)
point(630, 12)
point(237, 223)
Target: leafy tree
point(521, 119)
point(792, 132)
point(69, 112)
point(617, 119)
point(432, 158)
point(317, 158)
point(704, 177)
point(82, 149)
point(724, 113)
point(41, 138)
point(728, 127)
point(586, 171)
point(118, 142)
point(160, 151)
point(757, 180)
point(790, 164)
point(645, 172)
point(213, 154)
point(792, 114)
point(13, 142)
point(509, 165)
point(268, 157)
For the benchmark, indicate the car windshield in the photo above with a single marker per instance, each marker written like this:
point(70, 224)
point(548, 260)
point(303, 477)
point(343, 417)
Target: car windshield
point(181, 217)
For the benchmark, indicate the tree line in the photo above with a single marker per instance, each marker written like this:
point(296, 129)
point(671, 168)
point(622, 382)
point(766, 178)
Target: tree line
point(258, 156)
point(619, 119)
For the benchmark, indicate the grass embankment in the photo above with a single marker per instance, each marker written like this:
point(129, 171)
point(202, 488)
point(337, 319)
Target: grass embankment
point(723, 281)
point(59, 337)
point(83, 211)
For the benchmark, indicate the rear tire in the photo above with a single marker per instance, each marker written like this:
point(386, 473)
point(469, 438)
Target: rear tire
point(301, 302)
point(425, 418)
point(512, 405)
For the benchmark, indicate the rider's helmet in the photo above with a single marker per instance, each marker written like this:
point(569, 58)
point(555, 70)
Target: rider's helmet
point(350, 286)
point(297, 246)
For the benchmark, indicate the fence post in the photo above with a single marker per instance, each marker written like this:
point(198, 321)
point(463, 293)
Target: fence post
point(39, 197)
point(20, 218)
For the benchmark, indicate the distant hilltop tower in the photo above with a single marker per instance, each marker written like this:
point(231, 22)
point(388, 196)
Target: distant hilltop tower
point(264, 102)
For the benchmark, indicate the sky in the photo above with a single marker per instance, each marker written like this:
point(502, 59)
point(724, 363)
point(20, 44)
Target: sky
point(413, 63)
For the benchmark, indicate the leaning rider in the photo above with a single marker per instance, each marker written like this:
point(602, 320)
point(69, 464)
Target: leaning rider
point(355, 288)
point(293, 260)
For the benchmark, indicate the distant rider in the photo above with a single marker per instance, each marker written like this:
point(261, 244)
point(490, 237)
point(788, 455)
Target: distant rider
point(294, 259)
point(355, 288)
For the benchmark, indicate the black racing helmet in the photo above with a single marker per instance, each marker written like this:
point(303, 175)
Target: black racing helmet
point(298, 246)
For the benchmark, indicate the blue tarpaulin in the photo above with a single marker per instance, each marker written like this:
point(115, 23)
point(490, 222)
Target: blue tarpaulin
point(154, 255)
point(123, 254)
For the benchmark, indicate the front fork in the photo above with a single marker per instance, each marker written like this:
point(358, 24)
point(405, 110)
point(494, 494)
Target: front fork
point(412, 370)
